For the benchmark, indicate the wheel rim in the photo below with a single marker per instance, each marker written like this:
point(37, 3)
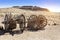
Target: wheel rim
point(6, 21)
point(21, 21)
point(42, 21)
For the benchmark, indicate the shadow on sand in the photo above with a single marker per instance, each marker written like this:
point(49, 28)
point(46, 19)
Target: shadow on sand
point(2, 32)
point(34, 30)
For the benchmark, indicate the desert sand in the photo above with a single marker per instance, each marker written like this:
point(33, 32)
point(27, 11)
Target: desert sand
point(51, 31)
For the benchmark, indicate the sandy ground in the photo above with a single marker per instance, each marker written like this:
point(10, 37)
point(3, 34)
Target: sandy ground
point(51, 32)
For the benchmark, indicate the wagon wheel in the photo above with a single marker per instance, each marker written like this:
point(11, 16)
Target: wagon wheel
point(32, 22)
point(9, 23)
point(21, 21)
point(41, 22)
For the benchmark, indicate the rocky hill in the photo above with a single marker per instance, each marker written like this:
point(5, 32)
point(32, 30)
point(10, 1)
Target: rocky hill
point(33, 8)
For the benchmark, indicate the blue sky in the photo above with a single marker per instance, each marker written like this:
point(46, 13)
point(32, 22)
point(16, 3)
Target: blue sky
point(52, 5)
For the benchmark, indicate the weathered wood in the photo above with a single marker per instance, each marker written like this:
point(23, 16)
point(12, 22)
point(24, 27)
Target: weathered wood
point(32, 22)
point(9, 23)
point(37, 22)
point(21, 21)
point(41, 21)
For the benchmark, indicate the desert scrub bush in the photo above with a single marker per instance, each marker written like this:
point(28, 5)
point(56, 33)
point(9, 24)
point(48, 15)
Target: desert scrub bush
point(1, 15)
